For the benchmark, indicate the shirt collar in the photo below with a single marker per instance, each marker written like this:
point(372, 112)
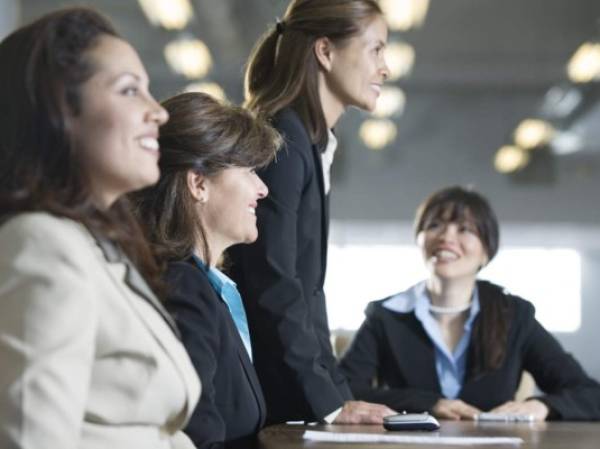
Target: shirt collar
point(217, 278)
point(421, 304)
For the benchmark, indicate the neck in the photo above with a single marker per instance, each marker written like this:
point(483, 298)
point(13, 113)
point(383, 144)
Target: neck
point(216, 251)
point(332, 106)
point(450, 293)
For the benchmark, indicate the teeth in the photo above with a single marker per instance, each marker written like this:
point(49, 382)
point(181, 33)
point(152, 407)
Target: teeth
point(252, 210)
point(446, 255)
point(149, 143)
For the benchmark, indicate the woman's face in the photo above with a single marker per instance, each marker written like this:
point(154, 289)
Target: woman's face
point(229, 210)
point(452, 249)
point(358, 68)
point(116, 131)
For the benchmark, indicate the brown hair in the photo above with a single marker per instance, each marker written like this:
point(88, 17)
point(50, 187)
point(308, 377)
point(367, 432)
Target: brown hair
point(42, 68)
point(206, 136)
point(282, 68)
point(456, 204)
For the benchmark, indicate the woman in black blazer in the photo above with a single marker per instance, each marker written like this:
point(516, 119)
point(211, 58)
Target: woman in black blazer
point(204, 202)
point(455, 346)
point(320, 59)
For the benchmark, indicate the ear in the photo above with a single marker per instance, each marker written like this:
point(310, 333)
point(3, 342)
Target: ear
point(197, 184)
point(324, 52)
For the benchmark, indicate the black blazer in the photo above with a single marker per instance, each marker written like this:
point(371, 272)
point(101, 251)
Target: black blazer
point(281, 279)
point(231, 408)
point(394, 349)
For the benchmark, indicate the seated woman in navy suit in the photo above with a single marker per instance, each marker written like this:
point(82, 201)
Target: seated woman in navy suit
point(456, 346)
point(204, 202)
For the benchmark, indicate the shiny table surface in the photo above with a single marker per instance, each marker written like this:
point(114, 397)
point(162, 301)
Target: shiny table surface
point(548, 435)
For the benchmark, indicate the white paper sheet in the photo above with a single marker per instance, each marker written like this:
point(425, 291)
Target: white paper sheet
point(338, 437)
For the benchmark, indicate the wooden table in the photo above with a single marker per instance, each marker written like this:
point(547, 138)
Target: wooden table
point(550, 435)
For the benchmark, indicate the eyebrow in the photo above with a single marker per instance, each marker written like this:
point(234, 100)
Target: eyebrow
point(118, 76)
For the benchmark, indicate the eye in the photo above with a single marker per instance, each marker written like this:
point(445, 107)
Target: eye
point(432, 225)
point(130, 91)
point(467, 228)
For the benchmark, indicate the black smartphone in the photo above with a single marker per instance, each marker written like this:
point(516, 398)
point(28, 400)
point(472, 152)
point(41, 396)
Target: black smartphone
point(411, 421)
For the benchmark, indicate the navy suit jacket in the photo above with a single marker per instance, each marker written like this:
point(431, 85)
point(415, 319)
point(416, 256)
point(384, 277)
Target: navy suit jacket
point(393, 349)
point(231, 410)
point(281, 277)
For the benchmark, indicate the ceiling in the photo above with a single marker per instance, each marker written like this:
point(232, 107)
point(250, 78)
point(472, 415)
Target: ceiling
point(481, 66)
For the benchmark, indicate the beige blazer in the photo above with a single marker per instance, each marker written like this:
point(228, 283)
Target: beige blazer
point(88, 356)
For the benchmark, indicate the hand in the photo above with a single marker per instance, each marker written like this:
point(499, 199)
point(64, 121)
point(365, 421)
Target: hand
point(454, 409)
point(359, 412)
point(532, 407)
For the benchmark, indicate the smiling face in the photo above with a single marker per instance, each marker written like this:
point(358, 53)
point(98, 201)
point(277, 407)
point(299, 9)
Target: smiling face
point(357, 67)
point(228, 210)
point(116, 131)
point(452, 249)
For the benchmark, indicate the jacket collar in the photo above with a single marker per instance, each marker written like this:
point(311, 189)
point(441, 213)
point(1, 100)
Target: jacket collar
point(134, 280)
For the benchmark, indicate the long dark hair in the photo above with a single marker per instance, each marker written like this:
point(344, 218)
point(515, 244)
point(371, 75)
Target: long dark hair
point(456, 204)
point(282, 68)
point(206, 136)
point(42, 68)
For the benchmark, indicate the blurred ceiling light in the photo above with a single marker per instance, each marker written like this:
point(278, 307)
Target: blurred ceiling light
point(190, 57)
point(561, 101)
point(567, 142)
point(210, 88)
point(510, 158)
point(391, 101)
point(400, 58)
point(376, 134)
point(170, 14)
point(584, 65)
point(532, 133)
point(402, 15)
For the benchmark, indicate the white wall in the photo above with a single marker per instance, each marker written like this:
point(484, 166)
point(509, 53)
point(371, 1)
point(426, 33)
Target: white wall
point(10, 12)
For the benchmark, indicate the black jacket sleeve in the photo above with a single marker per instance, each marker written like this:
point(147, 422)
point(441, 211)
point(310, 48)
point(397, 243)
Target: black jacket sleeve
point(363, 363)
point(568, 391)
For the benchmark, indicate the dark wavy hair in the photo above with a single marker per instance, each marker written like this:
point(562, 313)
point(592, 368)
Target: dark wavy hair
point(282, 68)
point(206, 136)
point(42, 68)
point(456, 204)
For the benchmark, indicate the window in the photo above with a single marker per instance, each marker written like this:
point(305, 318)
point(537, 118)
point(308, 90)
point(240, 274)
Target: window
point(548, 277)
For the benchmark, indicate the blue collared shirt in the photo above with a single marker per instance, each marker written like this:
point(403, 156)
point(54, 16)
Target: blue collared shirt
point(450, 366)
point(227, 290)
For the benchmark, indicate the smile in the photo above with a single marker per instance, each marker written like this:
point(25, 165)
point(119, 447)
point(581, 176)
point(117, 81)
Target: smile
point(445, 255)
point(149, 143)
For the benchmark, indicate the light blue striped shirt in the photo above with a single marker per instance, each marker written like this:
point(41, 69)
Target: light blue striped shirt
point(450, 366)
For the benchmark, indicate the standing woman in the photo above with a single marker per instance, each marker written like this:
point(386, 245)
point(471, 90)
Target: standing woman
point(204, 202)
point(456, 346)
point(323, 57)
point(90, 358)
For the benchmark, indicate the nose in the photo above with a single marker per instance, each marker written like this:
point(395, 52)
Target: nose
point(448, 231)
point(263, 190)
point(384, 69)
point(157, 113)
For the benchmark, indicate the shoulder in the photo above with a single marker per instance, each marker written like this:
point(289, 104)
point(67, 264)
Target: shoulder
point(292, 129)
point(188, 283)
point(522, 308)
point(43, 225)
point(45, 233)
point(399, 304)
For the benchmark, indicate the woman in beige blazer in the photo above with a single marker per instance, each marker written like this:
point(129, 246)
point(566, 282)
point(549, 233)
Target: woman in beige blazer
point(89, 357)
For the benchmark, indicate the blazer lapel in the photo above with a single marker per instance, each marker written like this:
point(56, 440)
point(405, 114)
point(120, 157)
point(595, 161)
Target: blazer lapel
point(324, 199)
point(122, 270)
point(136, 282)
point(411, 348)
point(253, 380)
